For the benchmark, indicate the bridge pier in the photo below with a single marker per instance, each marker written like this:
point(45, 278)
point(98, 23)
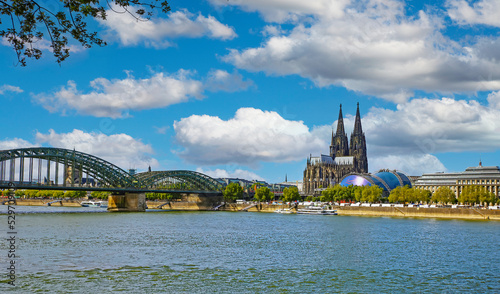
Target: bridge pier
point(130, 202)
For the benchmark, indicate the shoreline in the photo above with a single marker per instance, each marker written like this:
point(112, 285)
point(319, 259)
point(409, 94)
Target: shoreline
point(438, 212)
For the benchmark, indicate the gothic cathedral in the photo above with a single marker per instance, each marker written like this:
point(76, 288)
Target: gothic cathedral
point(344, 159)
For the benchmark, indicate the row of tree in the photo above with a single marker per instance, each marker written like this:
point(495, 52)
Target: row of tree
point(48, 193)
point(339, 193)
point(161, 196)
point(409, 195)
point(234, 191)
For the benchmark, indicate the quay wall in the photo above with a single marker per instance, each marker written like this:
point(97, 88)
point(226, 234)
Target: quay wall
point(450, 213)
point(201, 203)
point(43, 202)
point(455, 213)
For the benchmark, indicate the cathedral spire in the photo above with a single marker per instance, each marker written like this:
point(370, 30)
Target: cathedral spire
point(340, 123)
point(357, 123)
point(340, 144)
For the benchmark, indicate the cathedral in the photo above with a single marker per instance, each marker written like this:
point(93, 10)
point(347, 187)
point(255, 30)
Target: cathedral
point(344, 158)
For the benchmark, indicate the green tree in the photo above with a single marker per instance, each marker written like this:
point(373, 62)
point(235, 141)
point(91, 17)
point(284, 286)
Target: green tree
point(57, 194)
point(444, 195)
point(469, 195)
point(291, 194)
point(29, 21)
point(232, 192)
point(31, 193)
point(263, 194)
point(395, 194)
point(371, 193)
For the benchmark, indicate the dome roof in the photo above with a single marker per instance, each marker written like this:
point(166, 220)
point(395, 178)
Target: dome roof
point(355, 180)
point(385, 179)
point(389, 178)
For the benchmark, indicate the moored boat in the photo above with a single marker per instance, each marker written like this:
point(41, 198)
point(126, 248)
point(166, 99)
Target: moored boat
point(91, 203)
point(284, 210)
point(316, 210)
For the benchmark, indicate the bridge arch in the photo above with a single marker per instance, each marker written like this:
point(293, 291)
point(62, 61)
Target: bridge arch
point(104, 172)
point(179, 180)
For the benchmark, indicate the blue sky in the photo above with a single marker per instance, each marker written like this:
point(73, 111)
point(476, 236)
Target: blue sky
point(250, 88)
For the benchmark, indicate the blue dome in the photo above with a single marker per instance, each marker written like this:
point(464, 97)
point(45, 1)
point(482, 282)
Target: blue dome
point(385, 179)
point(378, 183)
point(406, 180)
point(355, 180)
point(389, 178)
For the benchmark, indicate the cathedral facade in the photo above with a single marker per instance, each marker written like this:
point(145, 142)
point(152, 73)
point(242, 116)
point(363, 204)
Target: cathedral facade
point(325, 170)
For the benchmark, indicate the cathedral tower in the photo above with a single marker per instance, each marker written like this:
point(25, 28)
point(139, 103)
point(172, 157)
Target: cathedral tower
point(358, 146)
point(340, 145)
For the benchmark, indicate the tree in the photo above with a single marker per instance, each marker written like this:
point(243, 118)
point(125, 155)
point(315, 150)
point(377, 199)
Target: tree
point(263, 194)
point(28, 22)
point(290, 194)
point(444, 195)
point(232, 192)
point(57, 194)
point(469, 195)
point(371, 193)
point(476, 194)
point(395, 195)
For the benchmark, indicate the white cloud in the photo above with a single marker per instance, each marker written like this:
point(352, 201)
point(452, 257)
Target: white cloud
point(410, 164)
point(288, 10)
point(14, 144)
point(237, 173)
point(481, 12)
point(433, 126)
point(494, 100)
point(155, 32)
point(8, 88)
point(221, 80)
point(409, 138)
point(119, 149)
point(376, 49)
point(251, 136)
point(161, 130)
point(115, 98)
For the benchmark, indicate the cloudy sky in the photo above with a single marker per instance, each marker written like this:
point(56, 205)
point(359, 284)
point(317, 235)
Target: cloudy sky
point(249, 89)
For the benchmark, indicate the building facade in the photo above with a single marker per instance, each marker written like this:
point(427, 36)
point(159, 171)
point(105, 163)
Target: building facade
point(485, 176)
point(345, 157)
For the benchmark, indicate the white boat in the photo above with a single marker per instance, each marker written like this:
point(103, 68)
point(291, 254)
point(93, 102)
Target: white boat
point(91, 203)
point(316, 210)
point(284, 210)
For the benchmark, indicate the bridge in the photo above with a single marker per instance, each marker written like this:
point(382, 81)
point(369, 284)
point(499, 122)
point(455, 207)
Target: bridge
point(45, 168)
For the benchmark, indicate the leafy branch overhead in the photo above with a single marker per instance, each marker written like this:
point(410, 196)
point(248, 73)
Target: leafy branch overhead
point(23, 23)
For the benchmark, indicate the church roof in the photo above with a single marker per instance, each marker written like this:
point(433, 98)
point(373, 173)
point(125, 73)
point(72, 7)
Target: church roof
point(325, 159)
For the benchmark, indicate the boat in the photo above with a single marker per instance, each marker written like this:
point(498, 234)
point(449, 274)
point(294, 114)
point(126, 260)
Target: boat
point(284, 210)
point(91, 203)
point(321, 210)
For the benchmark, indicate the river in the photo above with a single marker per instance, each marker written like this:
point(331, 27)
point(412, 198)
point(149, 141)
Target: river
point(76, 250)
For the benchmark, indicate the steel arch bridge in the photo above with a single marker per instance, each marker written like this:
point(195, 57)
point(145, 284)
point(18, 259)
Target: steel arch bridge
point(57, 168)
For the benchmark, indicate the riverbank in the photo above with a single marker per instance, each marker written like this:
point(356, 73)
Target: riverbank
point(197, 205)
point(43, 202)
point(450, 213)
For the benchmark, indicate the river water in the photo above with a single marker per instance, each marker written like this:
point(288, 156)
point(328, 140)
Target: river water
point(76, 250)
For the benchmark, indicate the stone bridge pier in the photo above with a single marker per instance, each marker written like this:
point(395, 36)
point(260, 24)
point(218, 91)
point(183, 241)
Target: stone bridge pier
point(128, 202)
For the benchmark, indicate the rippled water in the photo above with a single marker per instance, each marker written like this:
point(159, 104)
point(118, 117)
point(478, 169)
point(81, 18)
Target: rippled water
point(228, 252)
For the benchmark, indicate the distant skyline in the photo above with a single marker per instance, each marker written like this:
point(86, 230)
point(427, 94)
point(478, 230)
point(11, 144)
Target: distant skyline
point(249, 89)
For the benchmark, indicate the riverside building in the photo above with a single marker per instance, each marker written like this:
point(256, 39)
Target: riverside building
point(486, 176)
point(325, 170)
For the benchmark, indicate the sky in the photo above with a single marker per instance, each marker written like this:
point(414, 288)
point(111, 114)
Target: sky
point(250, 89)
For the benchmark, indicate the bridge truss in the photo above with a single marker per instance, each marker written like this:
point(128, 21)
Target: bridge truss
point(57, 168)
